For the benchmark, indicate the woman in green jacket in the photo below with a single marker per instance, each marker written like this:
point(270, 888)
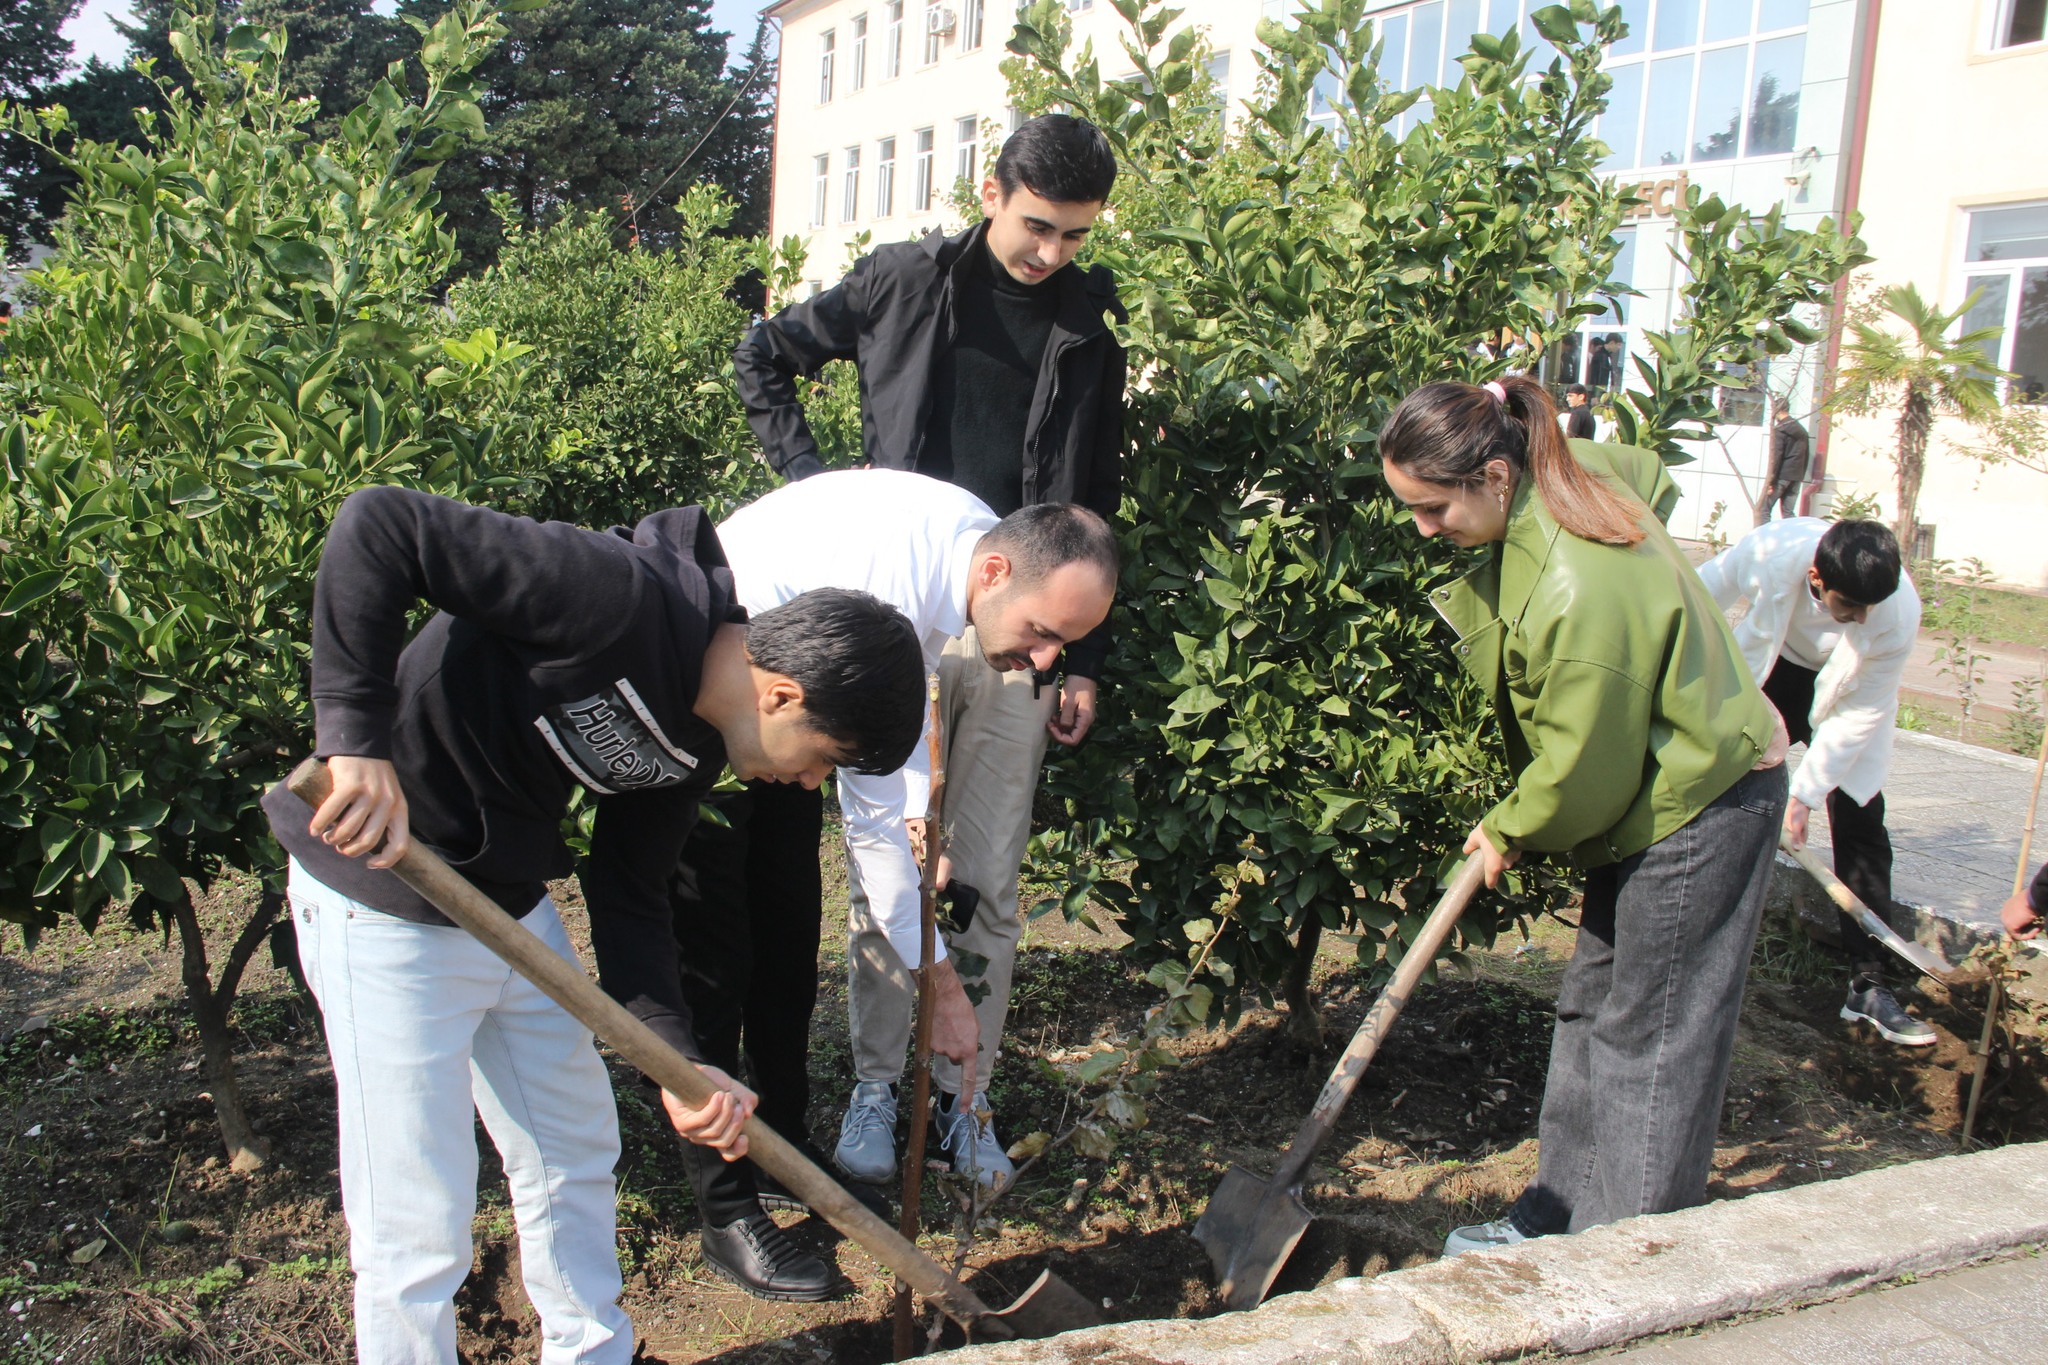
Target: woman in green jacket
point(1642, 750)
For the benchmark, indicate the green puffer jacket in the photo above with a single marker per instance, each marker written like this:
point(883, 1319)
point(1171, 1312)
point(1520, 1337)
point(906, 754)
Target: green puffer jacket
point(1625, 705)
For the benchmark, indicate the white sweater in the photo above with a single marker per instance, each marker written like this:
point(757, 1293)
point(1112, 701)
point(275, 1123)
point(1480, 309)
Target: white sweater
point(909, 540)
point(1856, 695)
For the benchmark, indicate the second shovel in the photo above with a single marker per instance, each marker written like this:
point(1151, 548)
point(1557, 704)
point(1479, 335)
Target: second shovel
point(1251, 1226)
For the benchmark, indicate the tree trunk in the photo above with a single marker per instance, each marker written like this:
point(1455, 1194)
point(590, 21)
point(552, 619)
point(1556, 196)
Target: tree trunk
point(210, 1006)
point(1916, 420)
point(1304, 1020)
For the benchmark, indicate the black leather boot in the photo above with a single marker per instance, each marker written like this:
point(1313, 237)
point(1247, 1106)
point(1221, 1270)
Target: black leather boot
point(758, 1256)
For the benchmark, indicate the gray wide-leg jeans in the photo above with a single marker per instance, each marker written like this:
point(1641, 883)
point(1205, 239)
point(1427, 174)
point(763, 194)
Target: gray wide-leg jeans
point(1646, 1018)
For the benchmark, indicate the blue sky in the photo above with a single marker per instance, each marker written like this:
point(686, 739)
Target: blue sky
point(92, 32)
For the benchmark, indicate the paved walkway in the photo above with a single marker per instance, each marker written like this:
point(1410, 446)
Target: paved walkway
point(1988, 1315)
point(1956, 813)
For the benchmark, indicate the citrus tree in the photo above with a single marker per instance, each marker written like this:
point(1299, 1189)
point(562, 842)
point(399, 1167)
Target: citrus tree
point(632, 350)
point(1288, 746)
point(234, 332)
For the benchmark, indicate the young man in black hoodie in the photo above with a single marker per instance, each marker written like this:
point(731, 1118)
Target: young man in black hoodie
point(987, 360)
point(558, 658)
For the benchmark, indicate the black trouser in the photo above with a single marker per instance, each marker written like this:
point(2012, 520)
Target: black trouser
point(746, 898)
point(1863, 848)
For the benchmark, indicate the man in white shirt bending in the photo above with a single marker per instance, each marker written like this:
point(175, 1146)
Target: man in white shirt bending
point(1017, 591)
point(1832, 620)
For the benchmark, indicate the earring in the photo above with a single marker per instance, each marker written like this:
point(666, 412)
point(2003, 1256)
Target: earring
point(1502, 493)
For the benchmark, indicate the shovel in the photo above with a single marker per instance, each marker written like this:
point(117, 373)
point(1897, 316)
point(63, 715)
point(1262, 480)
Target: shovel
point(1923, 958)
point(1251, 1226)
point(1048, 1307)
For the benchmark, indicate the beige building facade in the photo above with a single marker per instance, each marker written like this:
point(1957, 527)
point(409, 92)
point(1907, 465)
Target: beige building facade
point(1920, 113)
point(1955, 201)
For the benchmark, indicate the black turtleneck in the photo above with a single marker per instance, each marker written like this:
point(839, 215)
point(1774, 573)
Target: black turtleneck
point(981, 400)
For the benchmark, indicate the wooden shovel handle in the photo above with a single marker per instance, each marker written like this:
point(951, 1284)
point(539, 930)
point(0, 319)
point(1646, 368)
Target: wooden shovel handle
point(1372, 1030)
point(566, 984)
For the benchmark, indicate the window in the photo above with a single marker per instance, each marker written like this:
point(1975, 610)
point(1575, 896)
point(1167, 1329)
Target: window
point(934, 29)
point(821, 188)
point(2020, 21)
point(849, 199)
point(973, 13)
point(827, 41)
point(1721, 80)
point(858, 76)
point(921, 171)
point(892, 42)
point(1597, 354)
point(2005, 264)
point(885, 177)
point(1694, 80)
point(1080, 4)
point(966, 142)
point(1219, 72)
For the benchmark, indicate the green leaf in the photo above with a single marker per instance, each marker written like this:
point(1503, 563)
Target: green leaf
point(31, 590)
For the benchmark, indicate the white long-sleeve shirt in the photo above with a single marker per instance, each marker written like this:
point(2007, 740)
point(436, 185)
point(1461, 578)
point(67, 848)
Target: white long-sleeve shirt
point(1856, 695)
point(909, 540)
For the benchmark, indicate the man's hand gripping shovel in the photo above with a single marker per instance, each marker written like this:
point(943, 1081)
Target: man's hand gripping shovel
point(1922, 958)
point(1251, 1225)
point(1048, 1307)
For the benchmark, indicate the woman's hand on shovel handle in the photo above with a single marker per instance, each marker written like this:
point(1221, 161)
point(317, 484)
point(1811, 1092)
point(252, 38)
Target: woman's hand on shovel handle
point(719, 1123)
point(1490, 858)
point(365, 809)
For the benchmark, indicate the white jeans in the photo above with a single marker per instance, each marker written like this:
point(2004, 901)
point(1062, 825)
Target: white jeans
point(423, 1022)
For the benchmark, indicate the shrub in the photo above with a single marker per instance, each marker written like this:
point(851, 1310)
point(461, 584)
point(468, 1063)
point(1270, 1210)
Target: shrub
point(1284, 703)
point(232, 335)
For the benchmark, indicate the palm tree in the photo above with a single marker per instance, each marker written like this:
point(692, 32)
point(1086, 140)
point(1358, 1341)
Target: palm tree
point(1926, 372)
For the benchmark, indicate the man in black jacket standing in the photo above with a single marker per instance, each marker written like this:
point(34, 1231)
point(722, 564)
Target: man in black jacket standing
point(986, 359)
point(1786, 473)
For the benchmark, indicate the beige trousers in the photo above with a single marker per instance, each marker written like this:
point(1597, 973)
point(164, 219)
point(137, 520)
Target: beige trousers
point(995, 740)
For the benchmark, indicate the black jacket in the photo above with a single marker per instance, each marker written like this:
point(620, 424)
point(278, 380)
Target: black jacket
point(1789, 448)
point(891, 316)
point(559, 657)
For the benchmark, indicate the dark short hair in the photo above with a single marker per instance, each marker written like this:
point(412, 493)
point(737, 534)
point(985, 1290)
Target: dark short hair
point(1051, 535)
point(1059, 158)
point(1580, 389)
point(1860, 560)
point(860, 665)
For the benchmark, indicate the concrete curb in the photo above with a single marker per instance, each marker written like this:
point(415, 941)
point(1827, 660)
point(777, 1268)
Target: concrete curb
point(1613, 1284)
point(1962, 750)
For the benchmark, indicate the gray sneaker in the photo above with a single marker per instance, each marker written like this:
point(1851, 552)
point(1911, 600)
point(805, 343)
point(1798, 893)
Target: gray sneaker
point(970, 1141)
point(1872, 1004)
point(867, 1135)
point(1483, 1237)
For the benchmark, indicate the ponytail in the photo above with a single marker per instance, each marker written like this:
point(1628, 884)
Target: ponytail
point(1447, 432)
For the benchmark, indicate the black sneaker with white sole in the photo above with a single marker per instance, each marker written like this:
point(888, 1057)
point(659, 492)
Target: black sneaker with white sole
point(1870, 1003)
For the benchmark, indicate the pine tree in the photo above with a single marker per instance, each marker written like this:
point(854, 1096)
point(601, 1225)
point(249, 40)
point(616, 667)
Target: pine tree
point(598, 104)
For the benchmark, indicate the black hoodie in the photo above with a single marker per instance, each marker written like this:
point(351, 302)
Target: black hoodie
point(558, 656)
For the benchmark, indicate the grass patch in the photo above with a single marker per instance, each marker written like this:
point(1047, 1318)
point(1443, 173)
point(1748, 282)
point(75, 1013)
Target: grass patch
point(2012, 617)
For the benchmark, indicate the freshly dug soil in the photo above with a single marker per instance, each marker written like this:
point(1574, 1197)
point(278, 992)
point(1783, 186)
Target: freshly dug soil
point(108, 1140)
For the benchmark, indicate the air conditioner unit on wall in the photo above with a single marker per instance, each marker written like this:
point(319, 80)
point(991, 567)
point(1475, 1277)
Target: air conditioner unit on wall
point(940, 20)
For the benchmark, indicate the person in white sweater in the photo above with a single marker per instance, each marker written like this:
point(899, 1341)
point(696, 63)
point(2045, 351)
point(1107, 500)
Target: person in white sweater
point(1832, 620)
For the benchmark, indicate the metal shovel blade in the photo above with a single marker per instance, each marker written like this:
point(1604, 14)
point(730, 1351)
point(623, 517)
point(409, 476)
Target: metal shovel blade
point(1050, 1306)
point(1249, 1230)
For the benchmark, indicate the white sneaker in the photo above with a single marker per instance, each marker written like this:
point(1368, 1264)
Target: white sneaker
point(867, 1135)
point(1483, 1237)
point(970, 1141)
